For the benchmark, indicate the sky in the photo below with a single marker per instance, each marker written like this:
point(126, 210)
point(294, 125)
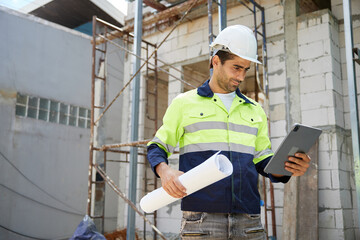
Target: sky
point(17, 4)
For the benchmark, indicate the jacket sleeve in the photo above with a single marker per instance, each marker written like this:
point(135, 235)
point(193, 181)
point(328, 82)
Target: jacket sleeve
point(262, 142)
point(168, 135)
point(260, 169)
point(263, 152)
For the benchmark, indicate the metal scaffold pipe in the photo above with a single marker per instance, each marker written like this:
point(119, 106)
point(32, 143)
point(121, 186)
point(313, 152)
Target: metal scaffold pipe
point(354, 110)
point(130, 233)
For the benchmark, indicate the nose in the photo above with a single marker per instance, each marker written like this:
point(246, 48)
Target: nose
point(241, 75)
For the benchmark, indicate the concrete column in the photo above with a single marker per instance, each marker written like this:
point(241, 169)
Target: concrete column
point(293, 115)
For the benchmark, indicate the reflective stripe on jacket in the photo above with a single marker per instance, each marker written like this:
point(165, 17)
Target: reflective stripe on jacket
point(199, 122)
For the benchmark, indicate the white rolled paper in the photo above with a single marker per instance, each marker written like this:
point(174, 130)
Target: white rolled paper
point(212, 170)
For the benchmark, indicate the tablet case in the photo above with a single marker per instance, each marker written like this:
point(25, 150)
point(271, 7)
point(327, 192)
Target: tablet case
point(300, 139)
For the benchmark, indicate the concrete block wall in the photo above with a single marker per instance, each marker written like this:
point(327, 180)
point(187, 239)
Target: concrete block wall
point(323, 103)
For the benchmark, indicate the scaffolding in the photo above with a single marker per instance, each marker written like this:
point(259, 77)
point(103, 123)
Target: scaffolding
point(97, 168)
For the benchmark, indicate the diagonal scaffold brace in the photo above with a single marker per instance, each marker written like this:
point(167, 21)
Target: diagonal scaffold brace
point(123, 196)
point(152, 54)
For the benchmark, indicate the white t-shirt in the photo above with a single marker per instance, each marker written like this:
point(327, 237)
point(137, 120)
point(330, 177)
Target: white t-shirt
point(227, 99)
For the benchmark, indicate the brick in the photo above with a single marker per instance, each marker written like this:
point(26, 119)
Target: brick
point(329, 199)
point(313, 83)
point(325, 179)
point(311, 50)
point(316, 100)
point(327, 218)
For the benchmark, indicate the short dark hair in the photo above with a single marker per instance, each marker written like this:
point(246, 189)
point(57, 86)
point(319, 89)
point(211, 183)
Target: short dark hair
point(223, 56)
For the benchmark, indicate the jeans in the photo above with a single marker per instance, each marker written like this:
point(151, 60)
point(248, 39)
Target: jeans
point(202, 225)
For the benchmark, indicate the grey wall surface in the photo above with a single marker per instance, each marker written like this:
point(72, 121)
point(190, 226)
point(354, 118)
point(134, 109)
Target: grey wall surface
point(44, 165)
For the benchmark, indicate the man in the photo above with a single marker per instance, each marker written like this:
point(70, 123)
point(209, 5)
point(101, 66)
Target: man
point(217, 117)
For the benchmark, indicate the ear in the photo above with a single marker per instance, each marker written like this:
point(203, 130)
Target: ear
point(215, 60)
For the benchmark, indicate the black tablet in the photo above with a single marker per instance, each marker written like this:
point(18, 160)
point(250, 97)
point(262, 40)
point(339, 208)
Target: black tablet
point(300, 139)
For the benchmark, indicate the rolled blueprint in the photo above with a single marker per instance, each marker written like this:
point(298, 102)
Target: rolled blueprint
point(212, 170)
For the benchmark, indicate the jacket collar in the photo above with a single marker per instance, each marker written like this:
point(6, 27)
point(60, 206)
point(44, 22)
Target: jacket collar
point(205, 91)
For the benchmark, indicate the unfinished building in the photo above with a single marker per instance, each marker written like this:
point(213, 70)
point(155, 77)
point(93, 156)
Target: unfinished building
point(303, 79)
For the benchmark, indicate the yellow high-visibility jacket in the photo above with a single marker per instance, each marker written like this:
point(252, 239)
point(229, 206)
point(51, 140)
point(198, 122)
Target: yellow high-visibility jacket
point(199, 122)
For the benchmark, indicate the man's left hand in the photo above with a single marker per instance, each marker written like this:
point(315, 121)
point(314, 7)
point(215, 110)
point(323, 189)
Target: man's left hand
point(298, 165)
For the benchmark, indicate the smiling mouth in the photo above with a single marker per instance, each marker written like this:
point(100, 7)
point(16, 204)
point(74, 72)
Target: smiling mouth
point(236, 82)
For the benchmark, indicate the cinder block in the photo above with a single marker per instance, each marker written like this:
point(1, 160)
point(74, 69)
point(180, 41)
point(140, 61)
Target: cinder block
point(316, 100)
point(347, 122)
point(313, 83)
point(277, 79)
point(197, 25)
point(197, 50)
point(192, 38)
point(327, 218)
point(275, 28)
point(317, 33)
point(277, 96)
point(326, 162)
point(325, 179)
point(345, 198)
point(315, 66)
point(336, 68)
point(278, 128)
point(302, 25)
point(331, 234)
point(339, 218)
point(333, 82)
point(321, 119)
point(327, 141)
point(329, 199)
point(314, 21)
point(348, 217)
point(276, 63)
point(275, 142)
point(311, 50)
point(277, 112)
point(275, 48)
point(274, 13)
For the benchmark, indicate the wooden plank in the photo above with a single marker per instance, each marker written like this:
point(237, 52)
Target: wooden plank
point(154, 4)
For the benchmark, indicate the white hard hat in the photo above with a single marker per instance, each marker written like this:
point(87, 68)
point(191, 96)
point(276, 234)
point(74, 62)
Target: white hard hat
point(238, 40)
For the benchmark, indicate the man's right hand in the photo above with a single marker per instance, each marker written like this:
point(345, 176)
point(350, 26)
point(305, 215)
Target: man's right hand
point(170, 180)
